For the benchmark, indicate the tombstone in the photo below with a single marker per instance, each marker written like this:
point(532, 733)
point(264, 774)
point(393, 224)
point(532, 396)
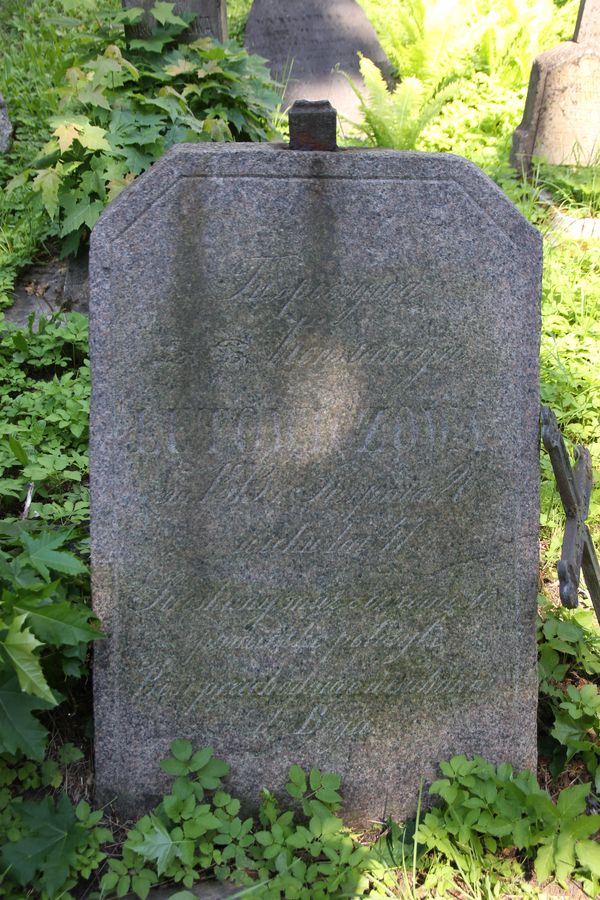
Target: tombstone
point(305, 42)
point(561, 122)
point(315, 442)
point(587, 29)
point(210, 18)
point(6, 129)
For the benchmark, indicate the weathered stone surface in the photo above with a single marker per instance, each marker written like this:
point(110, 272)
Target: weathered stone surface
point(561, 122)
point(315, 428)
point(210, 18)
point(6, 128)
point(305, 42)
point(587, 29)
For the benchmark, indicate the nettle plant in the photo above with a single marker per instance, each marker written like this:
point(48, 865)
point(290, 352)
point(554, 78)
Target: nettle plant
point(132, 100)
point(491, 819)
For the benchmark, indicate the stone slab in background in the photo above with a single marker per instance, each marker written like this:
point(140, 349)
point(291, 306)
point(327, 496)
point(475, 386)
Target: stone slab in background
point(6, 128)
point(315, 434)
point(561, 121)
point(210, 18)
point(305, 42)
point(48, 288)
point(587, 29)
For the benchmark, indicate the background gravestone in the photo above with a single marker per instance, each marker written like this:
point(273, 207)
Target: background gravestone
point(314, 470)
point(587, 29)
point(561, 122)
point(6, 128)
point(304, 43)
point(210, 18)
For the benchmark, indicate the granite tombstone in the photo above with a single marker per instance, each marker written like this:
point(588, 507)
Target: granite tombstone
point(210, 18)
point(315, 430)
point(6, 128)
point(587, 29)
point(561, 121)
point(305, 43)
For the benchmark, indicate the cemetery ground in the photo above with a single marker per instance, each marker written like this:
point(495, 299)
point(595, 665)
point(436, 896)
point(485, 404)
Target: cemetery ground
point(492, 833)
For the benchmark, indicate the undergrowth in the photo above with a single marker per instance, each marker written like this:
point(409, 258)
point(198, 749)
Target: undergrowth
point(491, 832)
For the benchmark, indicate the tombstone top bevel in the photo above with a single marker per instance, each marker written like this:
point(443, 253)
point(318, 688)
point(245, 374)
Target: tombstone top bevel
point(313, 125)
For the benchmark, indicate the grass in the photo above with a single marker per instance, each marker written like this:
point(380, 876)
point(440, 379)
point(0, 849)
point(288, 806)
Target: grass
point(37, 43)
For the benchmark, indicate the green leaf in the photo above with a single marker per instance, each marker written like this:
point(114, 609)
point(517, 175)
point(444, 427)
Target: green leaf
point(157, 846)
point(141, 886)
point(19, 645)
point(182, 750)
point(588, 854)
point(59, 624)
point(163, 13)
point(79, 213)
point(53, 835)
point(572, 801)
point(200, 759)
point(326, 795)
point(544, 863)
point(18, 449)
point(48, 182)
point(19, 730)
point(173, 767)
point(298, 777)
point(39, 553)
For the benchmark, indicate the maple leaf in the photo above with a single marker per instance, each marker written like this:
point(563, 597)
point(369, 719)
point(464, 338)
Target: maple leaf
point(92, 138)
point(66, 133)
point(163, 13)
point(181, 67)
point(48, 182)
point(211, 68)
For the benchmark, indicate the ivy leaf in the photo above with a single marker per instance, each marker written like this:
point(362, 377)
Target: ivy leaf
point(19, 645)
point(157, 846)
point(60, 624)
point(163, 13)
point(19, 730)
